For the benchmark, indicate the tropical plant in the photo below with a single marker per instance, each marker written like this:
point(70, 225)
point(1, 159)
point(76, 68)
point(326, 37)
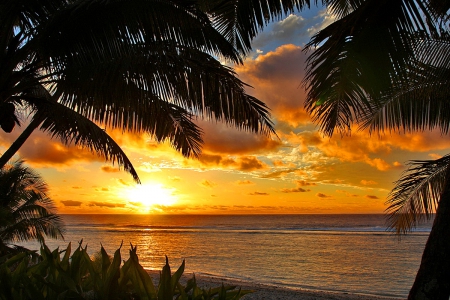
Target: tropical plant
point(74, 276)
point(141, 66)
point(26, 211)
point(385, 66)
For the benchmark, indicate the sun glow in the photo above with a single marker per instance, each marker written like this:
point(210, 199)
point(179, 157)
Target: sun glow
point(151, 195)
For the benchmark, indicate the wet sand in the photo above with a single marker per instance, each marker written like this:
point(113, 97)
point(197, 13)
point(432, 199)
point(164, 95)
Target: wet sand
point(266, 292)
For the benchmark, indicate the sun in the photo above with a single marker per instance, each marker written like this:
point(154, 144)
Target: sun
point(151, 195)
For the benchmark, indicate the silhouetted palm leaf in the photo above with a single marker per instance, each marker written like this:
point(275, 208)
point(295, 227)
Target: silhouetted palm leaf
point(358, 55)
point(416, 194)
point(137, 65)
point(26, 211)
point(422, 101)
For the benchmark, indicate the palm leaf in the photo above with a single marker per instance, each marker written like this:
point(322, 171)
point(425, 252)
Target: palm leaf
point(26, 210)
point(239, 21)
point(416, 194)
point(71, 127)
point(421, 102)
point(356, 58)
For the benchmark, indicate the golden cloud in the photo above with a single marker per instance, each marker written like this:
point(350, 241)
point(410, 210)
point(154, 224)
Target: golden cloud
point(71, 202)
point(368, 182)
point(207, 184)
point(294, 190)
point(321, 195)
point(223, 139)
point(109, 169)
point(346, 193)
point(244, 182)
point(258, 194)
point(242, 163)
point(278, 174)
point(284, 68)
point(304, 183)
point(106, 204)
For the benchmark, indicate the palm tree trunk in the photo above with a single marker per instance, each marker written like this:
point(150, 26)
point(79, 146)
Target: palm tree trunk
point(433, 278)
point(19, 142)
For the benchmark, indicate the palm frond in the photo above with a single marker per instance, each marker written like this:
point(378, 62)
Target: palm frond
point(422, 101)
point(356, 58)
point(71, 127)
point(239, 21)
point(110, 27)
point(188, 78)
point(416, 194)
point(26, 210)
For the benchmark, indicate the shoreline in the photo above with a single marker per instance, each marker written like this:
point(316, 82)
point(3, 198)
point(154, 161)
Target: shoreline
point(272, 292)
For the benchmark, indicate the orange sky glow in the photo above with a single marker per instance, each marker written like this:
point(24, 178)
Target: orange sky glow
point(301, 171)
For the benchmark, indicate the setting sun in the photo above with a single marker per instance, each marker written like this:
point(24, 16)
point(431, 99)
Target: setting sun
point(150, 195)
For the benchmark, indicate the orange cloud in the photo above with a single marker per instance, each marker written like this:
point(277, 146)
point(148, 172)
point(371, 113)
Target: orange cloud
point(304, 183)
point(174, 178)
point(268, 72)
point(244, 182)
point(371, 197)
point(258, 194)
point(105, 204)
point(347, 194)
point(278, 174)
point(222, 139)
point(321, 195)
point(123, 182)
point(109, 169)
point(244, 163)
point(434, 156)
point(71, 202)
point(294, 190)
point(368, 182)
point(207, 184)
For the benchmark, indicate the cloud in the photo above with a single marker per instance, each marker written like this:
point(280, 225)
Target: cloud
point(434, 156)
point(294, 190)
point(292, 28)
point(245, 163)
point(175, 178)
point(278, 174)
point(123, 182)
point(325, 18)
point(304, 183)
point(148, 168)
point(346, 193)
point(106, 204)
point(244, 182)
point(77, 187)
point(371, 197)
point(220, 138)
point(71, 202)
point(258, 194)
point(207, 184)
point(284, 68)
point(368, 182)
point(321, 195)
point(109, 169)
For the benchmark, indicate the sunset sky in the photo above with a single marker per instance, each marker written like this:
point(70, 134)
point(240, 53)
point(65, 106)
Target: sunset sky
point(301, 171)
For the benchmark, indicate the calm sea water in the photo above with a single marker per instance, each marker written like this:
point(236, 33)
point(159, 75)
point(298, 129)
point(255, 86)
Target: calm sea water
point(351, 253)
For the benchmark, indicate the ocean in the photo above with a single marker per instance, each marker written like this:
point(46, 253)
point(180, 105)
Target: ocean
point(345, 253)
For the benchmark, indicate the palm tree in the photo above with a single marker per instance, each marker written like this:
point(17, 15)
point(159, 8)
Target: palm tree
point(149, 66)
point(385, 65)
point(26, 211)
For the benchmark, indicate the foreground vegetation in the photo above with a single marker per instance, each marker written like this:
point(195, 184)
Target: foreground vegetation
point(60, 275)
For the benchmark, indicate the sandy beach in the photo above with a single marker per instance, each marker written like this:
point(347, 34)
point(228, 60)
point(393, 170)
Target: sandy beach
point(266, 292)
